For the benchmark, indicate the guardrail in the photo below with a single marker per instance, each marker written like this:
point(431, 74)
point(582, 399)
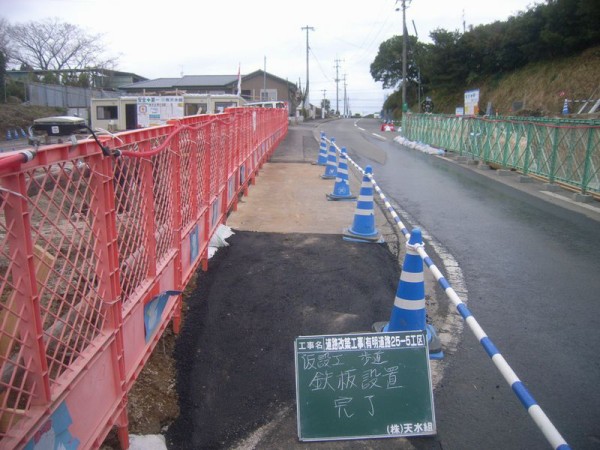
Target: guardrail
point(565, 151)
point(98, 239)
point(540, 418)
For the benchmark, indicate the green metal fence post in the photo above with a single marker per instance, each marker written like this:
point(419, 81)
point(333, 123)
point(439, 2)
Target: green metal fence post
point(527, 151)
point(585, 179)
point(552, 172)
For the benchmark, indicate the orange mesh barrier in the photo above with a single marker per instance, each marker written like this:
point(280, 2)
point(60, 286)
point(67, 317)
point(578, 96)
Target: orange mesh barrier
point(94, 253)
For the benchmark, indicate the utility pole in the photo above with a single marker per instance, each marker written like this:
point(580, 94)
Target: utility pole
point(323, 104)
point(306, 99)
point(404, 39)
point(345, 98)
point(418, 68)
point(337, 89)
point(266, 97)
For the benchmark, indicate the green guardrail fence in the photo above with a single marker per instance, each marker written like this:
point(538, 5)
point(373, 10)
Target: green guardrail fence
point(565, 151)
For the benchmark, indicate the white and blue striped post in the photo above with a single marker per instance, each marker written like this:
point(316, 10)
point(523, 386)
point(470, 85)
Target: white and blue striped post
point(341, 188)
point(331, 168)
point(363, 227)
point(322, 159)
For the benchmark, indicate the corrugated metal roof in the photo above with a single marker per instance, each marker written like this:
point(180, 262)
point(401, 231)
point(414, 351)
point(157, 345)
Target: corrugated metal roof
point(205, 80)
point(186, 81)
point(152, 84)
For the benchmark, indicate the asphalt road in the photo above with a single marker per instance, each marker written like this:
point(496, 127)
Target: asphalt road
point(531, 270)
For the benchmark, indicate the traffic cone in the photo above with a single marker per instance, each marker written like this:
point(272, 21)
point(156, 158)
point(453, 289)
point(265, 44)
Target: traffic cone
point(23, 134)
point(8, 135)
point(322, 159)
point(331, 168)
point(363, 228)
point(566, 107)
point(408, 313)
point(341, 189)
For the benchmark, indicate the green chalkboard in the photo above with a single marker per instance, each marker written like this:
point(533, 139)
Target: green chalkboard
point(364, 385)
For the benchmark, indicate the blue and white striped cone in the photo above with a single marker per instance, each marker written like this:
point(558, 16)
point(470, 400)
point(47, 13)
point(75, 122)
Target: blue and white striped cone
point(566, 107)
point(341, 188)
point(363, 228)
point(409, 312)
point(322, 159)
point(8, 135)
point(331, 168)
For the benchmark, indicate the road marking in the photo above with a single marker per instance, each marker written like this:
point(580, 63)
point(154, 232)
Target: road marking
point(378, 136)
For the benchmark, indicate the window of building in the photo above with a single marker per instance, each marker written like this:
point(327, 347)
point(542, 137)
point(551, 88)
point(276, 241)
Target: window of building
point(220, 106)
point(107, 112)
point(191, 109)
point(268, 95)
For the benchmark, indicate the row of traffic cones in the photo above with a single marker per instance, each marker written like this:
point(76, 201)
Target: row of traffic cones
point(12, 134)
point(408, 313)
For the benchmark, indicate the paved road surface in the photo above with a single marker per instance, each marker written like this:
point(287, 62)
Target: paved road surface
point(531, 269)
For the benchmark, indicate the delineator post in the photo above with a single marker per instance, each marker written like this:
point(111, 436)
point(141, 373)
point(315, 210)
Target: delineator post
point(331, 167)
point(409, 311)
point(363, 227)
point(341, 188)
point(322, 158)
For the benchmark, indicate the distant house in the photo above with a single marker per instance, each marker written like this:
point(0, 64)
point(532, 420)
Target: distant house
point(256, 86)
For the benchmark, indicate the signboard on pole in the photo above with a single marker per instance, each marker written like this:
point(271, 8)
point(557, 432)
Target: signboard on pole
point(364, 385)
point(155, 110)
point(472, 102)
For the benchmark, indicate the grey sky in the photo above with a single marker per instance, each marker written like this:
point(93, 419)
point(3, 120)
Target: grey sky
point(164, 39)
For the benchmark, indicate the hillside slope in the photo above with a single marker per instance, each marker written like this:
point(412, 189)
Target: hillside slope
point(541, 87)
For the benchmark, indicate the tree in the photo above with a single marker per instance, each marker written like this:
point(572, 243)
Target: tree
point(326, 105)
point(387, 66)
point(2, 74)
point(4, 39)
point(54, 45)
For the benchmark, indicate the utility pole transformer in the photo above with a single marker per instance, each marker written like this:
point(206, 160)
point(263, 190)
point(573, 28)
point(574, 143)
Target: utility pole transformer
point(306, 99)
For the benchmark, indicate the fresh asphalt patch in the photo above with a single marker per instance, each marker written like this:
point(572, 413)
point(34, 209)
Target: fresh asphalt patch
point(235, 353)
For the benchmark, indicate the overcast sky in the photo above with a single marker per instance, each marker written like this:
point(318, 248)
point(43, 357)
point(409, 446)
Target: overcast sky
point(168, 38)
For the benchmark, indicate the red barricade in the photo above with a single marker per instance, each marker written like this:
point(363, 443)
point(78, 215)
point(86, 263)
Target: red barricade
point(95, 251)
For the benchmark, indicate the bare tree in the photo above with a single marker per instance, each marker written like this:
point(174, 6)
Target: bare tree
point(4, 40)
point(54, 45)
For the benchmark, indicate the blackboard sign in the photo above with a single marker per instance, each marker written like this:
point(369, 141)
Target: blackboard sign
point(369, 385)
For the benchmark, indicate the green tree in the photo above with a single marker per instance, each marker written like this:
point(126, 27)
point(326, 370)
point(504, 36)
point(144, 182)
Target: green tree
point(387, 66)
point(446, 65)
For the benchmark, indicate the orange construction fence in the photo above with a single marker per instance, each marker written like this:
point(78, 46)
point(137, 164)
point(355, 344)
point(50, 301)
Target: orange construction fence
point(98, 239)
